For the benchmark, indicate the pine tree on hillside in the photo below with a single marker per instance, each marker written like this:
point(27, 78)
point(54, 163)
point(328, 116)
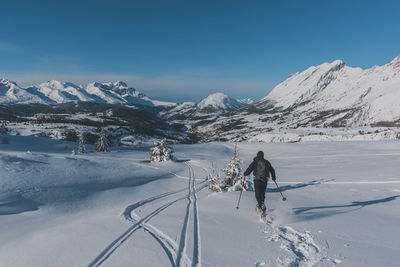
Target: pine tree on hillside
point(160, 152)
point(233, 170)
point(82, 142)
point(102, 144)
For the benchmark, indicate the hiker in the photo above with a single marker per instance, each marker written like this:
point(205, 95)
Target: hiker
point(261, 169)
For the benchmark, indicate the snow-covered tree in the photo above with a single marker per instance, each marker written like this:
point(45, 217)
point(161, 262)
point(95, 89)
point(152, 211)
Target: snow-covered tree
point(159, 152)
point(82, 142)
point(102, 144)
point(215, 180)
point(233, 171)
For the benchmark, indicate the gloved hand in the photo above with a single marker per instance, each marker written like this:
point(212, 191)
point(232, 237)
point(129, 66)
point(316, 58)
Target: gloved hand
point(274, 179)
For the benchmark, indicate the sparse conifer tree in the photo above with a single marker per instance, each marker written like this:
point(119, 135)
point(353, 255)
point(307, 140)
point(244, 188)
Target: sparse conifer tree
point(82, 142)
point(102, 144)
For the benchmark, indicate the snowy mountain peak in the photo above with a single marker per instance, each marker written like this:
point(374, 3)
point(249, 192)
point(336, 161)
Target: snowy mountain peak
point(337, 65)
point(396, 59)
point(5, 82)
point(206, 111)
point(219, 101)
point(119, 85)
point(395, 63)
point(303, 86)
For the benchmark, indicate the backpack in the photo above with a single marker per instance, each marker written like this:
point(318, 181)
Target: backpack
point(261, 170)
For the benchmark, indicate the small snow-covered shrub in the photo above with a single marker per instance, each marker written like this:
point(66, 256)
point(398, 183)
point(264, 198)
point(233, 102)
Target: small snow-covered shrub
point(102, 144)
point(159, 152)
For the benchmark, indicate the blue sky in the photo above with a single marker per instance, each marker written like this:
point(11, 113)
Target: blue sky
point(184, 50)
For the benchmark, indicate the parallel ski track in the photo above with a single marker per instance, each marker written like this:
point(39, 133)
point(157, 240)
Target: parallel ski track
point(192, 205)
point(167, 243)
point(196, 228)
point(184, 230)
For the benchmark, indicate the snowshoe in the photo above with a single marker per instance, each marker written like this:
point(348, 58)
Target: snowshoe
point(263, 214)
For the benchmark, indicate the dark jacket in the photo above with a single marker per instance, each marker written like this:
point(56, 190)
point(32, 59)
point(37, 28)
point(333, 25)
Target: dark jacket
point(253, 168)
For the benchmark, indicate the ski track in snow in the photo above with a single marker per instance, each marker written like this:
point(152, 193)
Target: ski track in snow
point(184, 231)
point(196, 225)
point(176, 254)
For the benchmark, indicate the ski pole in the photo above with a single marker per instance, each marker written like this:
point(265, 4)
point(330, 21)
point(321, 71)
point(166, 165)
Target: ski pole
point(283, 198)
point(241, 190)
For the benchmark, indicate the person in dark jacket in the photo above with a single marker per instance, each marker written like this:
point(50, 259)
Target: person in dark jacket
point(261, 169)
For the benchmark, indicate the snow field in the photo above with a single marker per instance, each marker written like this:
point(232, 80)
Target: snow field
point(117, 209)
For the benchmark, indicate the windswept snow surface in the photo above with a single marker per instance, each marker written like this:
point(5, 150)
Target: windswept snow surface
point(117, 209)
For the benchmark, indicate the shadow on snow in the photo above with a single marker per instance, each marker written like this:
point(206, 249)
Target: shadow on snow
point(17, 204)
point(312, 213)
point(296, 186)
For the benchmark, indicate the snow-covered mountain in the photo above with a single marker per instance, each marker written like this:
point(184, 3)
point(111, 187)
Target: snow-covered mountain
point(363, 96)
point(206, 111)
point(329, 95)
point(218, 102)
point(55, 92)
point(10, 92)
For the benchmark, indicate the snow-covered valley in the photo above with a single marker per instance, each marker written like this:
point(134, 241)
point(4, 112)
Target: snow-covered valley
point(117, 209)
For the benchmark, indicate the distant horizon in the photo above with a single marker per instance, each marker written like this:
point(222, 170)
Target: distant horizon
point(183, 50)
point(100, 79)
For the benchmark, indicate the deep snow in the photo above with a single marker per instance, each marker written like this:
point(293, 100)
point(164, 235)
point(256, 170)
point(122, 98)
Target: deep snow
point(117, 209)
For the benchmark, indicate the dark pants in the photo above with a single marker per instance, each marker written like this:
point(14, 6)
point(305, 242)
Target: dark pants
point(260, 186)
